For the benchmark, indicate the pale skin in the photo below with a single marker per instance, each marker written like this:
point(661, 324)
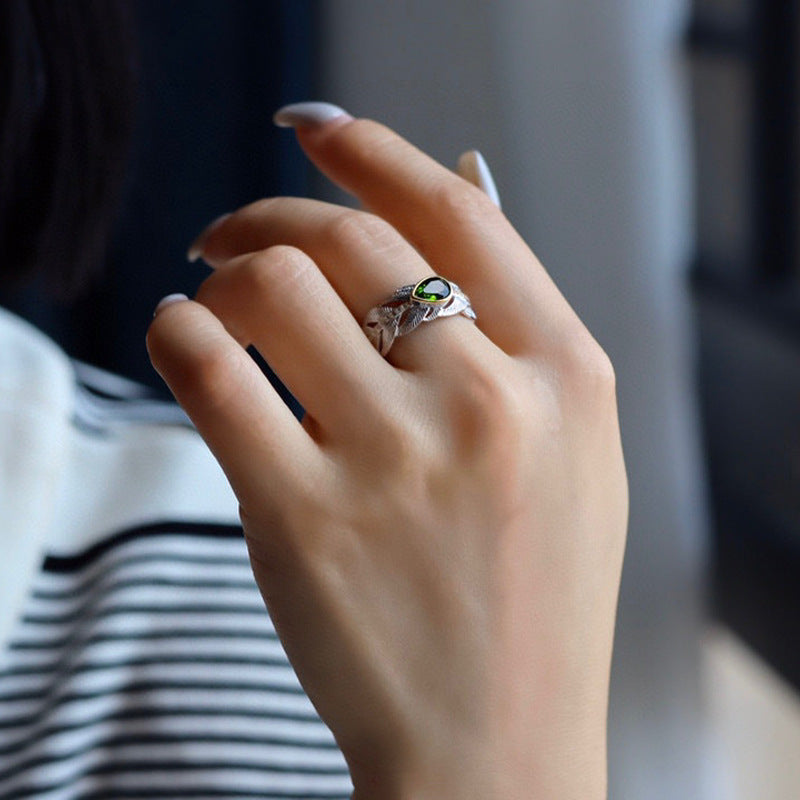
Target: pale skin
point(440, 542)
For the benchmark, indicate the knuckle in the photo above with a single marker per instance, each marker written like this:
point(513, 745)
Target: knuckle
point(587, 370)
point(493, 408)
point(460, 202)
point(400, 440)
point(395, 443)
point(370, 139)
point(213, 376)
point(356, 229)
point(498, 420)
point(282, 264)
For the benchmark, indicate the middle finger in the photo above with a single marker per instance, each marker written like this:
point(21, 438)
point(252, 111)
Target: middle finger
point(363, 257)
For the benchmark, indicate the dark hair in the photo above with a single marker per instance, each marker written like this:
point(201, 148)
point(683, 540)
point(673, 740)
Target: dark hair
point(67, 90)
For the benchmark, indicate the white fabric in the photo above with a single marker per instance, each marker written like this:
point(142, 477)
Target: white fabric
point(136, 656)
point(63, 486)
point(147, 666)
point(36, 390)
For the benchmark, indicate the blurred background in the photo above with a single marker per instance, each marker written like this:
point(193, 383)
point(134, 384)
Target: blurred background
point(648, 153)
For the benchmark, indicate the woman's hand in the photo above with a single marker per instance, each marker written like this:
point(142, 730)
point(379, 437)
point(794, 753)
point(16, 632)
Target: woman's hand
point(439, 544)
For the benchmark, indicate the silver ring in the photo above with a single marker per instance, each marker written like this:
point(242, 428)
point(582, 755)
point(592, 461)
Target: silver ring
point(412, 305)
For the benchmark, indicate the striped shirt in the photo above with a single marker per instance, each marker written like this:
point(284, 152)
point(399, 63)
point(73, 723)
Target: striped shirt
point(139, 661)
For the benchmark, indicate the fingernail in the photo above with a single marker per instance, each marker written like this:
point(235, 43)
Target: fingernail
point(168, 301)
point(308, 115)
point(196, 247)
point(472, 167)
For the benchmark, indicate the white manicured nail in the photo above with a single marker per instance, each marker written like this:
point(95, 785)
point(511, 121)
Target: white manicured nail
point(472, 167)
point(168, 301)
point(305, 115)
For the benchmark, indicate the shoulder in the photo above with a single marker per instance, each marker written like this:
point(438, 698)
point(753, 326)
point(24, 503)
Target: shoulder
point(84, 455)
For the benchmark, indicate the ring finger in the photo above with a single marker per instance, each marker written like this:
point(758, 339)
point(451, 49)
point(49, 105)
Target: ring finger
point(279, 301)
point(363, 257)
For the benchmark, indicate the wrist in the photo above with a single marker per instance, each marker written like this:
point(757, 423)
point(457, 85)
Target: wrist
point(555, 754)
point(489, 783)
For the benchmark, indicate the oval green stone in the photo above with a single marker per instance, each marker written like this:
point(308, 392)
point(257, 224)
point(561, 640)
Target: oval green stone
point(432, 290)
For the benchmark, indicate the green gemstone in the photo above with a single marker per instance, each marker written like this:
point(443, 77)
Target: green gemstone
point(432, 290)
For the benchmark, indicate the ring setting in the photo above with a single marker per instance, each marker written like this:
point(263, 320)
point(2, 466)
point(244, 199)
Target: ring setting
point(410, 306)
point(434, 291)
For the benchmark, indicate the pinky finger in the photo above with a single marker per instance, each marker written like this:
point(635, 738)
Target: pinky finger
point(265, 453)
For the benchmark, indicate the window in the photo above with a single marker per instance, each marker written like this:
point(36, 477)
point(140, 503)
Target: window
point(745, 58)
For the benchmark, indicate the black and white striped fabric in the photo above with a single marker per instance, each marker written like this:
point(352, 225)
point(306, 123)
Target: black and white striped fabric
point(137, 659)
point(147, 667)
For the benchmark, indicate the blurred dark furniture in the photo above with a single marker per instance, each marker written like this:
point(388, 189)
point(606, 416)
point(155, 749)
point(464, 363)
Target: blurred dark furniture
point(745, 58)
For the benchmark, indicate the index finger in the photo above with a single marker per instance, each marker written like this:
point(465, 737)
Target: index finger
point(455, 226)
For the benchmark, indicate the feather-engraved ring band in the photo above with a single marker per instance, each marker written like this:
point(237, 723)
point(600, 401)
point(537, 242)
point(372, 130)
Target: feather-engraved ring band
point(412, 305)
